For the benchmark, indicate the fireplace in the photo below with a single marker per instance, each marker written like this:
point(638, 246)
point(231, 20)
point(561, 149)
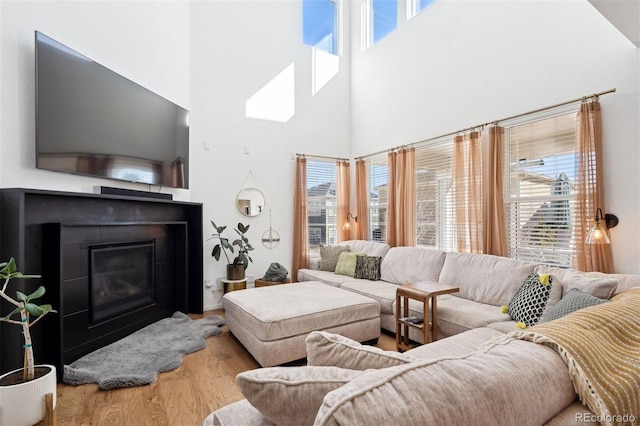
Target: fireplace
point(121, 279)
point(85, 246)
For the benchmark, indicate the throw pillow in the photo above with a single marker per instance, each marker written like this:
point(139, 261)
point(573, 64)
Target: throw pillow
point(291, 395)
point(368, 268)
point(325, 348)
point(601, 287)
point(529, 302)
point(347, 263)
point(574, 300)
point(329, 256)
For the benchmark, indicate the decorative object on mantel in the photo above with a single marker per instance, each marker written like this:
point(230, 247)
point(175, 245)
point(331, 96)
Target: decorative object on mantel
point(271, 238)
point(138, 358)
point(597, 234)
point(250, 200)
point(27, 395)
point(235, 269)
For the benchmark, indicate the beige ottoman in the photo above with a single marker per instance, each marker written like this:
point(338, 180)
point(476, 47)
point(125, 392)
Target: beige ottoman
point(272, 322)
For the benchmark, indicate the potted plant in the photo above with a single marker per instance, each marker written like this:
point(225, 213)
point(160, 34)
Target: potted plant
point(22, 392)
point(235, 269)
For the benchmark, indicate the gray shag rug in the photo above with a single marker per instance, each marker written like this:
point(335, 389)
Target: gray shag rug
point(138, 358)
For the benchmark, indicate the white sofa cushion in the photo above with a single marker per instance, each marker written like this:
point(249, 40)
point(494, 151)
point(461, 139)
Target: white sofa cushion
point(381, 291)
point(503, 384)
point(291, 395)
point(454, 346)
point(324, 277)
point(404, 265)
point(370, 248)
point(457, 314)
point(485, 278)
point(332, 349)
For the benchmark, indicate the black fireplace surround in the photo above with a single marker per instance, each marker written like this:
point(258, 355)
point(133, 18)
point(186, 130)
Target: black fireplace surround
point(111, 265)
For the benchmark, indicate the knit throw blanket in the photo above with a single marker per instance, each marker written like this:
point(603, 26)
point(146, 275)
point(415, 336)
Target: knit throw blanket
point(601, 347)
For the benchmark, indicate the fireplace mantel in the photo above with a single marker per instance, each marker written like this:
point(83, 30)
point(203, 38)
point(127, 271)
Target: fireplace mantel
point(48, 233)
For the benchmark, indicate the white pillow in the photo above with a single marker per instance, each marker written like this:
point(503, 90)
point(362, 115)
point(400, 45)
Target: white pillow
point(333, 349)
point(601, 287)
point(291, 395)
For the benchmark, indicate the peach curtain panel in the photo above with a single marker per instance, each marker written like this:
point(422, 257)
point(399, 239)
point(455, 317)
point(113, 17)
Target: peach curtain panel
point(401, 203)
point(589, 193)
point(342, 194)
point(300, 225)
point(467, 185)
point(362, 200)
point(390, 237)
point(493, 224)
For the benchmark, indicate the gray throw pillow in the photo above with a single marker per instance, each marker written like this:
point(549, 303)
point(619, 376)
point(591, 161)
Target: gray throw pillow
point(572, 301)
point(329, 257)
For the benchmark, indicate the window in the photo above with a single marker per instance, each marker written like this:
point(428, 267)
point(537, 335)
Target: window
point(415, 6)
point(379, 18)
point(320, 24)
point(378, 174)
point(321, 204)
point(435, 213)
point(539, 189)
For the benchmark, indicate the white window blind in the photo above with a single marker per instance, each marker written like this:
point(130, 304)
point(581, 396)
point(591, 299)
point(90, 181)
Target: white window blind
point(539, 189)
point(321, 204)
point(378, 174)
point(435, 213)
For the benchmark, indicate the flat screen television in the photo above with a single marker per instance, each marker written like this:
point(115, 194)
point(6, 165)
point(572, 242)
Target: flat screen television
point(92, 121)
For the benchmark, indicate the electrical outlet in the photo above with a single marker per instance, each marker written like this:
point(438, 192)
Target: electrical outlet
point(208, 283)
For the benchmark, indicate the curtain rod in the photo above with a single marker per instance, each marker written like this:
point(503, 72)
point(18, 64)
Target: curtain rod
point(581, 99)
point(322, 156)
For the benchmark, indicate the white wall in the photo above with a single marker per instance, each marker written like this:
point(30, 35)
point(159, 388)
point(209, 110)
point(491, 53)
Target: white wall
point(457, 64)
point(461, 63)
point(236, 48)
point(147, 42)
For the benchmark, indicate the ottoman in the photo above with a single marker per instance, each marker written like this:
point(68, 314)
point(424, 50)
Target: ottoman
point(272, 322)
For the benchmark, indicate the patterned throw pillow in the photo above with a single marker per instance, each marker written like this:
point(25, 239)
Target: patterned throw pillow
point(574, 300)
point(329, 257)
point(529, 302)
point(368, 267)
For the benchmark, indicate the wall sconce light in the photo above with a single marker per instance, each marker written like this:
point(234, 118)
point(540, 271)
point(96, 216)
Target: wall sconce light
point(597, 234)
point(347, 225)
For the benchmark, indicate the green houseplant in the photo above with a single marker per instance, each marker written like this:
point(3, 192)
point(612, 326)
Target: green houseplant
point(23, 391)
point(236, 268)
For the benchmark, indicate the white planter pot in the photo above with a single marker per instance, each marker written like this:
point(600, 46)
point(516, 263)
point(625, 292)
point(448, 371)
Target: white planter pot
point(23, 404)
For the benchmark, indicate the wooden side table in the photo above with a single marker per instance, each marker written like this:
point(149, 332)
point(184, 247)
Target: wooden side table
point(426, 292)
point(233, 285)
point(262, 283)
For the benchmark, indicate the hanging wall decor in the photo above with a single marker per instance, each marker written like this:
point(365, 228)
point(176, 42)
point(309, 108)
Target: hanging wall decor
point(271, 238)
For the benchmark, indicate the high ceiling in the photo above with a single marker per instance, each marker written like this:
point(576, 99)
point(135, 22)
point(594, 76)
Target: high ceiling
point(623, 14)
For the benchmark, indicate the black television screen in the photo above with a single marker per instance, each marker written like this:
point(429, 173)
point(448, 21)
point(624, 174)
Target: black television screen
point(92, 121)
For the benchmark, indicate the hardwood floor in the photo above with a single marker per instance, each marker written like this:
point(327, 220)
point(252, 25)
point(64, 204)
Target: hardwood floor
point(185, 396)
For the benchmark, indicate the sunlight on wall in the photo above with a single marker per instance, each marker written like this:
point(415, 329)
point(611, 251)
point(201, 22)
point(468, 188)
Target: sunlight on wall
point(325, 67)
point(275, 101)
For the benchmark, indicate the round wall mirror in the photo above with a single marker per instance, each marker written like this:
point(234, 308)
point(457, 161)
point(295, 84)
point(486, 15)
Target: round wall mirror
point(250, 201)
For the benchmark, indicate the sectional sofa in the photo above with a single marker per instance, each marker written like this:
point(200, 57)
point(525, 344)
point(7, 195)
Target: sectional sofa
point(486, 283)
point(475, 374)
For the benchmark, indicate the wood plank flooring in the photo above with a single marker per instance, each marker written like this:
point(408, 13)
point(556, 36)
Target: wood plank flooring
point(185, 396)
